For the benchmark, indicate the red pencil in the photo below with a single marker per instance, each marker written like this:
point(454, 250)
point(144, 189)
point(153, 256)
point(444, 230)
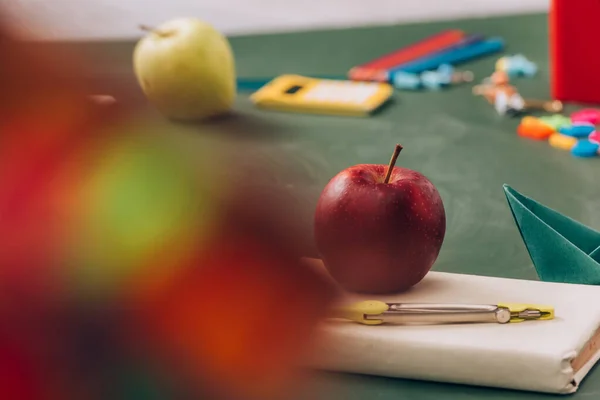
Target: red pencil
point(376, 70)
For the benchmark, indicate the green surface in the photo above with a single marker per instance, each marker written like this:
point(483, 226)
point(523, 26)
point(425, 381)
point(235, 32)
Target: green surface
point(454, 138)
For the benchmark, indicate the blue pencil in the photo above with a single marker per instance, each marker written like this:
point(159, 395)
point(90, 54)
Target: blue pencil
point(452, 57)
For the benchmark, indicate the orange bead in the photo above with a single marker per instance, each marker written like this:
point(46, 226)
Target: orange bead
point(533, 128)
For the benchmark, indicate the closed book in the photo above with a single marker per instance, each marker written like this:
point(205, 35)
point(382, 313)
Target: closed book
point(551, 356)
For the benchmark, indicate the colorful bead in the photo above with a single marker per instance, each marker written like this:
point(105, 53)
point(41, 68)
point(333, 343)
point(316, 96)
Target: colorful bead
point(589, 115)
point(443, 76)
point(585, 148)
point(446, 71)
point(501, 64)
point(499, 78)
point(517, 65)
point(407, 81)
point(533, 128)
point(508, 102)
point(563, 142)
point(439, 78)
point(579, 130)
point(594, 137)
point(433, 80)
point(556, 121)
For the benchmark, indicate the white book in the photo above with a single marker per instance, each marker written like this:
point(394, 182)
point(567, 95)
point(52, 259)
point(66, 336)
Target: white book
point(551, 356)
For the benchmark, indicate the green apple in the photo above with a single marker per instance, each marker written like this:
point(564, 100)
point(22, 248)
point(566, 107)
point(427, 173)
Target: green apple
point(186, 69)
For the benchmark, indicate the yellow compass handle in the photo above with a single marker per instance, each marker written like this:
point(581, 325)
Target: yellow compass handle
point(356, 312)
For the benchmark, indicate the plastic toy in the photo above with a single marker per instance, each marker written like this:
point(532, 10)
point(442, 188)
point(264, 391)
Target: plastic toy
point(574, 60)
point(517, 65)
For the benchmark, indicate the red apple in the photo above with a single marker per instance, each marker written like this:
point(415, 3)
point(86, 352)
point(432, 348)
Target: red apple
point(379, 228)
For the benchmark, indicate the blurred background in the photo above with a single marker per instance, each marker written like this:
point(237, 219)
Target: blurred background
point(117, 19)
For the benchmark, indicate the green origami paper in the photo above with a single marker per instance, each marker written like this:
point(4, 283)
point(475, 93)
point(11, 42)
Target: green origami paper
point(561, 249)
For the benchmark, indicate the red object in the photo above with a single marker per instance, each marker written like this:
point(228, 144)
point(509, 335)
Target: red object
point(19, 379)
point(377, 237)
point(236, 314)
point(575, 62)
point(377, 69)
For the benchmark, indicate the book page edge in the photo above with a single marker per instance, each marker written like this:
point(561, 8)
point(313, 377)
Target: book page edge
point(584, 361)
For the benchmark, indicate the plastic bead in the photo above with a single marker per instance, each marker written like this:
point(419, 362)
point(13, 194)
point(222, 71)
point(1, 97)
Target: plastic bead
point(589, 115)
point(501, 103)
point(407, 81)
point(585, 148)
point(520, 65)
point(533, 128)
point(446, 71)
point(508, 103)
point(517, 65)
point(439, 78)
point(594, 137)
point(556, 121)
point(578, 130)
point(499, 78)
point(433, 80)
point(563, 142)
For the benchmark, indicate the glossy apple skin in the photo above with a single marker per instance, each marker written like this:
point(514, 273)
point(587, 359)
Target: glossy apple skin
point(377, 237)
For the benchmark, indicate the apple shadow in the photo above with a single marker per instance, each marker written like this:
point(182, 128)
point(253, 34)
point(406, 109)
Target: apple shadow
point(385, 106)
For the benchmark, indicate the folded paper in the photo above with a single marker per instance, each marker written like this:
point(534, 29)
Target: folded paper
point(561, 249)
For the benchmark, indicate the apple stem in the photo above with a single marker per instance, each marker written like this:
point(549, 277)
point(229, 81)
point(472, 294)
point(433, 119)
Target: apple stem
point(390, 168)
point(150, 29)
